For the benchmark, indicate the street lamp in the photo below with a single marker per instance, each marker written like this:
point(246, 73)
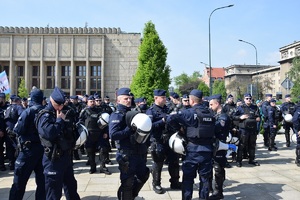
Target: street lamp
point(209, 45)
point(257, 92)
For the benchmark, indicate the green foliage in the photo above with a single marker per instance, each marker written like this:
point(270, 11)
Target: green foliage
point(219, 88)
point(204, 88)
point(185, 83)
point(22, 91)
point(294, 75)
point(152, 72)
point(188, 87)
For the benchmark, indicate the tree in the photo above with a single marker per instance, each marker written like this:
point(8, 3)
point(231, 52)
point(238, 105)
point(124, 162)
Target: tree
point(152, 72)
point(204, 88)
point(219, 88)
point(22, 91)
point(185, 83)
point(294, 75)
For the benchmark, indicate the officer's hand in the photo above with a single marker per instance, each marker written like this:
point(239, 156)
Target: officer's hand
point(258, 119)
point(232, 147)
point(274, 126)
point(244, 116)
point(298, 133)
point(61, 115)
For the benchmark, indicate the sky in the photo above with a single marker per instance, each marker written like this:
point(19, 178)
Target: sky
point(183, 26)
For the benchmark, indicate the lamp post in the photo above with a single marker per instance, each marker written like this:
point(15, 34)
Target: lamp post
point(257, 92)
point(209, 45)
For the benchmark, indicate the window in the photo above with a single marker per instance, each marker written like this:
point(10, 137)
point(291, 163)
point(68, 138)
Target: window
point(65, 77)
point(36, 76)
point(20, 72)
point(96, 78)
point(50, 79)
point(80, 79)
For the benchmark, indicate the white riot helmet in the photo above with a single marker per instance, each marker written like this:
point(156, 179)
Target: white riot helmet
point(103, 120)
point(288, 118)
point(177, 143)
point(83, 133)
point(229, 137)
point(294, 138)
point(142, 124)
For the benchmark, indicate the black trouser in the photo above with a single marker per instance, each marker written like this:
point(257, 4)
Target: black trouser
point(247, 140)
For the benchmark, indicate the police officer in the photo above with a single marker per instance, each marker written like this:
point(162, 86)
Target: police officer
point(31, 151)
point(222, 128)
point(141, 105)
point(296, 125)
point(131, 156)
point(12, 114)
point(264, 108)
point(200, 125)
point(3, 107)
point(175, 103)
point(185, 102)
point(248, 116)
point(89, 117)
point(160, 149)
point(273, 120)
point(58, 144)
point(288, 107)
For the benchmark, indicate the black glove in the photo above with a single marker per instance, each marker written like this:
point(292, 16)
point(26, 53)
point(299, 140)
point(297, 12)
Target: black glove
point(124, 164)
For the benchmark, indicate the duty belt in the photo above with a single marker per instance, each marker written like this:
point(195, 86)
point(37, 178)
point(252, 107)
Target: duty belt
point(130, 152)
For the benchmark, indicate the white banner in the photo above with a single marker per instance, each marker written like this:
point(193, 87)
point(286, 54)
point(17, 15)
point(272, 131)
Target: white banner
point(4, 83)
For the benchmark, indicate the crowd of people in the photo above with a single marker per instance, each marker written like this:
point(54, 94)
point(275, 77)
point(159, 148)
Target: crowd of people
point(40, 136)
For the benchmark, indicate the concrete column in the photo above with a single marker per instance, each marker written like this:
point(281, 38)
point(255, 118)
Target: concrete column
point(102, 69)
point(27, 67)
point(57, 66)
point(12, 69)
point(43, 70)
point(88, 68)
point(73, 70)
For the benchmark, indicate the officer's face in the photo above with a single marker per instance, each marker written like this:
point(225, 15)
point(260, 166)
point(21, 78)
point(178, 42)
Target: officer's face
point(160, 100)
point(185, 102)
point(125, 100)
point(55, 105)
point(273, 104)
point(98, 102)
point(213, 104)
point(248, 100)
point(288, 99)
point(91, 103)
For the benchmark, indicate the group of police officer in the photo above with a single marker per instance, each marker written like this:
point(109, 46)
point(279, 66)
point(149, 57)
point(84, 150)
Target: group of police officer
point(45, 137)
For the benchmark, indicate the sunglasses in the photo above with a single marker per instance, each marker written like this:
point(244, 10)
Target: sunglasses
point(186, 100)
point(248, 98)
point(97, 100)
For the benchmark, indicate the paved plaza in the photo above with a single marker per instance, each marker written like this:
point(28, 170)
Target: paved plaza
point(277, 177)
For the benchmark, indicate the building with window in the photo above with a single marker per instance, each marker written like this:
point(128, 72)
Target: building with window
point(216, 74)
point(78, 60)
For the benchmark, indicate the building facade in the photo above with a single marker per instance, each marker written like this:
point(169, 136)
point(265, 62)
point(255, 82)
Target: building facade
point(78, 60)
point(216, 74)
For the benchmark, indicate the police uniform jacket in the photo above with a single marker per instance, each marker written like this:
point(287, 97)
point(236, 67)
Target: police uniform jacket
point(288, 108)
point(25, 127)
point(188, 118)
point(157, 113)
point(2, 122)
point(223, 126)
point(122, 134)
point(271, 116)
point(50, 128)
point(264, 109)
point(252, 110)
point(12, 115)
point(296, 118)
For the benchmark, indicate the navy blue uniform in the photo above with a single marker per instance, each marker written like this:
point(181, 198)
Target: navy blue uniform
point(30, 156)
point(296, 123)
point(160, 150)
point(3, 107)
point(264, 110)
point(57, 159)
point(287, 108)
point(248, 132)
point(199, 152)
point(131, 156)
point(273, 120)
point(12, 114)
point(222, 128)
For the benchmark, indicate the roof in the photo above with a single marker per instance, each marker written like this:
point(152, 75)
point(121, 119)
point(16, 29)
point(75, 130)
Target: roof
point(217, 72)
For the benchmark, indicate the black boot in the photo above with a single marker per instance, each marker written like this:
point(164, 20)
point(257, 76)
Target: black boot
point(156, 174)
point(298, 157)
point(287, 138)
point(76, 155)
point(271, 145)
